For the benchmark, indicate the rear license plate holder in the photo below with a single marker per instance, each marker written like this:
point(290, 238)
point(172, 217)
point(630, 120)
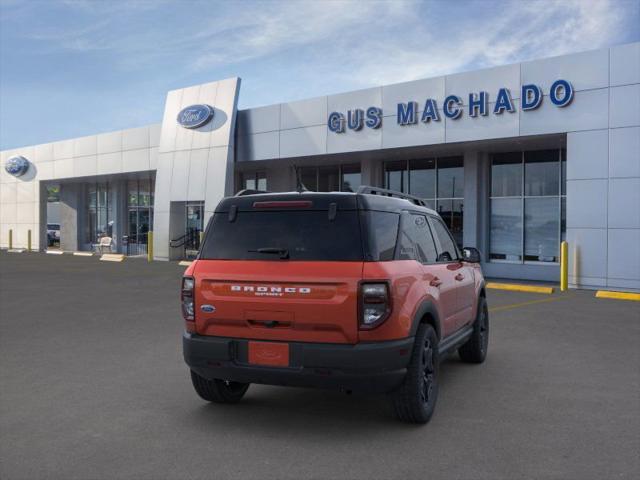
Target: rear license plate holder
point(270, 354)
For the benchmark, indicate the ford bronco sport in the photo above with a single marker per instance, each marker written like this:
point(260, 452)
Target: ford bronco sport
point(361, 291)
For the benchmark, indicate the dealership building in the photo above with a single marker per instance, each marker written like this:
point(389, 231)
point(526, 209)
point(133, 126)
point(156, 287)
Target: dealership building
point(515, 158)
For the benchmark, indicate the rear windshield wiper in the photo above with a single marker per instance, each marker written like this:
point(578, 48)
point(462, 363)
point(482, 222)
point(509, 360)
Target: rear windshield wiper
point(283, 252)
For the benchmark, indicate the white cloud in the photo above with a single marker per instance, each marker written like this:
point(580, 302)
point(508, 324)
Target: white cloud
point(520, 32)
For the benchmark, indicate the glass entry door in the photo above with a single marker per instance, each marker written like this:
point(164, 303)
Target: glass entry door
point(139, 216)
point(194, 228)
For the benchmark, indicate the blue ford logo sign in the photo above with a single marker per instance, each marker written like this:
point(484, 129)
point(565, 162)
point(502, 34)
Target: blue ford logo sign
point(17, 166)
point(208, 308)
point(195, 116)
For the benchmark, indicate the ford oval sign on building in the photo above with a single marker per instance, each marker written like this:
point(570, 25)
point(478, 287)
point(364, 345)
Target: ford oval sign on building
point(195, 116)
point(17, 166)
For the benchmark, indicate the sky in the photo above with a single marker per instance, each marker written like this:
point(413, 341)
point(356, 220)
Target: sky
point(70, 68)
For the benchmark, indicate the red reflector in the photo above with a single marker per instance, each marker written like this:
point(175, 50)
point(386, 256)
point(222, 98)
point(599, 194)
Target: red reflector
point(284, 204)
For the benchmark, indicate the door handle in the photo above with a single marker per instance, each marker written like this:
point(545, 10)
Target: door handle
point(459, 277)
point(435, 282)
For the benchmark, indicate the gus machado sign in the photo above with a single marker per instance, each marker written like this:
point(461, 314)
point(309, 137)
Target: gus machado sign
point(560, 95)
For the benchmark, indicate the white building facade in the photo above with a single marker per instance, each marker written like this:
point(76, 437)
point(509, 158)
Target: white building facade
point(515, 158)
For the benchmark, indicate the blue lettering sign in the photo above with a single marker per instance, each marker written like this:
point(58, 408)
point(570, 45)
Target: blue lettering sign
point(336, 122)
point(374, 117)
point(451, 111)
point(479, 104)
point(561, 93)
point(531, 97)
point(355, 119)
point(503, 102)
point(430, 111)
point(407, 113)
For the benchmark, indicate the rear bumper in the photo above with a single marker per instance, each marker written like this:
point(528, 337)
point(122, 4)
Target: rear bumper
point(364, 367)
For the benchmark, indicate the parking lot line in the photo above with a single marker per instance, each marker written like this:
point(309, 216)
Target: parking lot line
point(524, 304)
point(618, 295)
point(516, 287)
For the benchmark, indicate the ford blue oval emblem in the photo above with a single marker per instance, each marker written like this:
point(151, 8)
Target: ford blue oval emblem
point(195, 116)
point(16, 166)
point(208, 308)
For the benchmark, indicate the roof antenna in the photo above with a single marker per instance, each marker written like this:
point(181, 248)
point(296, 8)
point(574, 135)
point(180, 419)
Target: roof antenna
point(299, 185)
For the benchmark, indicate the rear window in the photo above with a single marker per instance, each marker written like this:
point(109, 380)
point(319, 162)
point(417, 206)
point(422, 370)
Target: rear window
point(303, 235)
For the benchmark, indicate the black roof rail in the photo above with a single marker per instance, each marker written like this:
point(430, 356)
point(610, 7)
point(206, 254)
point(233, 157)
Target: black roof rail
point(366, 189)
point(249, 191)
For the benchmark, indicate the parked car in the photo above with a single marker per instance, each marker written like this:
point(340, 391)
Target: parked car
point(53, 234)
point(361, 291)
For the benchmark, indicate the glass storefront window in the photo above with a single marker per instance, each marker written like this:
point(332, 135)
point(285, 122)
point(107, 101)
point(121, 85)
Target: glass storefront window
point(331, 178)
point(140, 215)
point(541, 227)
point(438, 181)
point(351, 178)
point(254, 181)
point(527, 224)
point(506, 175)
point(450, 177)
point(451, 212)
point(328, 179)
point(506, 229)
point(395, 173)
point(99, 212)
point(422, 178)
point(541, 173)
point(132, 193)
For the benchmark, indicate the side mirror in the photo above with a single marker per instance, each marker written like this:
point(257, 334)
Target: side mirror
point(471, 255)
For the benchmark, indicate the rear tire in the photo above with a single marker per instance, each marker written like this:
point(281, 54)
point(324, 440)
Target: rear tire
point(475, 349)
point(415, 400)
point(218, 391)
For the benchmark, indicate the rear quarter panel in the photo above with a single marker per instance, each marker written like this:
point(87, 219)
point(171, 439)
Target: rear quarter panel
point(408, 291)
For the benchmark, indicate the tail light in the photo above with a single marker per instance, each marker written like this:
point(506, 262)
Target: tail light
point(188, 284)
point(375, 304)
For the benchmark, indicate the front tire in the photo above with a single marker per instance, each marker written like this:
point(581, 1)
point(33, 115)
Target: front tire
point(415, 400)
point(218, 391)
point(475, 349)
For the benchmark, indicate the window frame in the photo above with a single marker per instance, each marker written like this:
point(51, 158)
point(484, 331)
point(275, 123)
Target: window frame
point(340, 167)
point(560, 196)
point(405, 181)
point(256, 176)
point(436, 239)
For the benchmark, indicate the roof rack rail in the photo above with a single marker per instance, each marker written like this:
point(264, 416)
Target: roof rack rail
point(249, 191)
point(366, 189)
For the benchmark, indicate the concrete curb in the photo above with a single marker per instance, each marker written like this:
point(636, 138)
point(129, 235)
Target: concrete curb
point(515, 287)
point(635, 297)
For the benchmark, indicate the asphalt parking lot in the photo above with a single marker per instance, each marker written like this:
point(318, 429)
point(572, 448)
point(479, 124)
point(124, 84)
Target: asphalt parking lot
point(93, 386)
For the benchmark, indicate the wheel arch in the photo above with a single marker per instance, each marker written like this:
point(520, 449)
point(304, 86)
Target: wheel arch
point(428, 314)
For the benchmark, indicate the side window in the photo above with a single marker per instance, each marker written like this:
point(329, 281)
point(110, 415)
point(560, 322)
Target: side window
point(424, 240)
point(416, 242)
point(383, 228)
point(447, 251)
point(407, 240)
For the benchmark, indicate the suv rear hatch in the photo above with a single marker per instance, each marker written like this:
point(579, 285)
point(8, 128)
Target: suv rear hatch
point(284, 267)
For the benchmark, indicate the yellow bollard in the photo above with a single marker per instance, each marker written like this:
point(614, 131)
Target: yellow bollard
point(150, 246)
point(29, 240)
point(10, 239)
point(564, 266)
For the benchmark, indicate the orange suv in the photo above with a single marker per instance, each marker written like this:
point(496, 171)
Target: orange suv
point(361, 291)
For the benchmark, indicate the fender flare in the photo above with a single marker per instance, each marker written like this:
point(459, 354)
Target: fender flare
point(426, 307)
point(482, 290)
